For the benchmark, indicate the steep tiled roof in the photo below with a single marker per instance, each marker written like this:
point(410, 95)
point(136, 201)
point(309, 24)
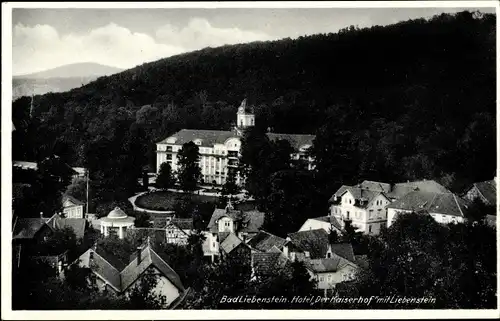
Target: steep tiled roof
point(489, 191)
point(370, 189)
point(208, 137)
point(313, 241)
point(102, 268)
point(230, 243)
point(265, 263)
point(264, 241)
point(296, 141)
point(442, 203)
point(76, 224)
point(26, 228)
point(222, 236)
point(72, 200)
point(183, 223)
point(344, 250)
point(363, 197)
point(122, 277)
point(329, 219)
point(376, 186)
point(327, 265)
point(251, 221)
point(401, 189)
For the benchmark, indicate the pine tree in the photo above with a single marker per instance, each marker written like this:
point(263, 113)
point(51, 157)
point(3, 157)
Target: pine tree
point(165, 178)
point(190, 172)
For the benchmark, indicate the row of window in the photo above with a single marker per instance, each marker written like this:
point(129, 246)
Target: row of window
point(329, 278)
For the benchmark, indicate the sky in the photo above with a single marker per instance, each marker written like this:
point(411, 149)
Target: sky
point(47, 38)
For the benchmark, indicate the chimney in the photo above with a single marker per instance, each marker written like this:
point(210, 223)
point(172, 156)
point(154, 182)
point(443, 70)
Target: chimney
point(138, 250)
point(41, 214)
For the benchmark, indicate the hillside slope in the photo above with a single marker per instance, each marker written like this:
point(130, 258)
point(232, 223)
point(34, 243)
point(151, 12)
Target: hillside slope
point(414, 99)
point(77, 70)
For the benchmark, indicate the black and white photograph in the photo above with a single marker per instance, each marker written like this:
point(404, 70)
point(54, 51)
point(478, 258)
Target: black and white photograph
point(339, 160)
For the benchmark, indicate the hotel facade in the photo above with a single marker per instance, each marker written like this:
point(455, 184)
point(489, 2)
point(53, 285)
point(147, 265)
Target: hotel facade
point(220, 150)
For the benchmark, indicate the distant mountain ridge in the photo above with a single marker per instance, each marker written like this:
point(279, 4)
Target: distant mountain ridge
point(86, 69)
point(59, 79)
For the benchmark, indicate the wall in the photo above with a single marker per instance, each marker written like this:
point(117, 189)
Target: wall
point(73, 211)
point(175, 236)
point(311, 224)
point(438, 217)
point(210, 245)
point(392, 215)
point(329, 279)
point(163, 286)
point(222, 224)
point(445, 219)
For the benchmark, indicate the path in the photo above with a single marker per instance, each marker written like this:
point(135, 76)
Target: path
point(239, 197)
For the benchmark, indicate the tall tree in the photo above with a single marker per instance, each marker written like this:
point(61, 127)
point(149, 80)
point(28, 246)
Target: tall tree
point(189, 172)
point(165, 179)
point(230, 187)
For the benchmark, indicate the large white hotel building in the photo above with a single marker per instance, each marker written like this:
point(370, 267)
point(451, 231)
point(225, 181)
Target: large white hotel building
point(220, 150)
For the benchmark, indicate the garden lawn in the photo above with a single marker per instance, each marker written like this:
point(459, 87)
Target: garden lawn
point(165, 201)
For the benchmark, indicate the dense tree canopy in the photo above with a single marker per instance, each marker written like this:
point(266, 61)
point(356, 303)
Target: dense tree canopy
point(189, 171)
point(418, 257)
point(421, 104)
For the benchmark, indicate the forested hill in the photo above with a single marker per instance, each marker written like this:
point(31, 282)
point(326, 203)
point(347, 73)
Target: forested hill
point(411, 99)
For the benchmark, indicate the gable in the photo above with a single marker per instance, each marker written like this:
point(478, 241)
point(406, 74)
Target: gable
point(381, 197)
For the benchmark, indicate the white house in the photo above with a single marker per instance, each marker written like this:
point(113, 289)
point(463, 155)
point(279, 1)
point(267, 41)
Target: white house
point(443, 207)
point(332, 271)
point(177, 230)
point(226, 221)
point(72, 208)
point(328, 223)
point(365, 208)
point(365, 204)
point(220, 150)
point(120, 280)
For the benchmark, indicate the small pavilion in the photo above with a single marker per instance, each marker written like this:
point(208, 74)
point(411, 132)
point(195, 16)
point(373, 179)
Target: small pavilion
point(116, 222)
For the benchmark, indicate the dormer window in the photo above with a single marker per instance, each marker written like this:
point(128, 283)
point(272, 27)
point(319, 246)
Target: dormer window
point(197, 142)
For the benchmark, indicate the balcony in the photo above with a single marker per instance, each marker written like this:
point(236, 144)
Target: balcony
point(232, 154)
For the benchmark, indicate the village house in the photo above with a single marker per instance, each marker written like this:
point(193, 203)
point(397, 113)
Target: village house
point(232, 245)
point(265, 241)
point(486, 191)
point(38, 229)
point(443, 207)
point(220, 150)
point(114, 277)
point(328, 223)
point(30, 234)
point(365, 204)
point(178, 230)
point(72, 208)
point(268, 264)
point(338, 266)
point(244, 224)
point(327, 263)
